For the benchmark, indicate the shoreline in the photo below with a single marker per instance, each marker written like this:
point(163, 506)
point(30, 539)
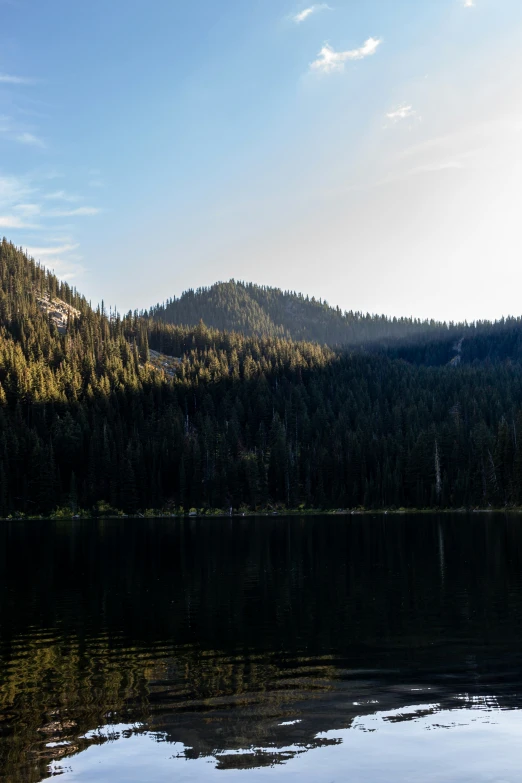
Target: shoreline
point(265, 514)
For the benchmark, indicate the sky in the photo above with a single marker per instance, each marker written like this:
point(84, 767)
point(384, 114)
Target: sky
point(367, 152)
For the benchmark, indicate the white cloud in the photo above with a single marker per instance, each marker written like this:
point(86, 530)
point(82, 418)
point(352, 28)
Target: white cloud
point(30, 139)
point(403, 112)
point(469, 3)
point(302, 15)
point(329, 60)
point(6, 78)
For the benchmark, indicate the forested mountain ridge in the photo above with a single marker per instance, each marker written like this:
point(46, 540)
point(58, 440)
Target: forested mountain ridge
point(259, 310)
point(90, 419)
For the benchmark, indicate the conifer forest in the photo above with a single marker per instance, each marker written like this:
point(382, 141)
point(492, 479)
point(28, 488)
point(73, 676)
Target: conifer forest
point(248, 398)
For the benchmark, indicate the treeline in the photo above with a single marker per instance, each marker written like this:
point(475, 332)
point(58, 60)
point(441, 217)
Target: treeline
point(87, 419)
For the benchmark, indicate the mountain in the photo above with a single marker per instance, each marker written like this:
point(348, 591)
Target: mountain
point(101, 412)
point(259, 310)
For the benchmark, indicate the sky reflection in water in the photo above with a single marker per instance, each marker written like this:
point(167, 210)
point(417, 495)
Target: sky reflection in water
point(319, 649)
point(477, 743)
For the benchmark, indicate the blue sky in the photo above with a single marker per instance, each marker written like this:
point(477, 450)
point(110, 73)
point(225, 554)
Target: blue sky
point(365, 151)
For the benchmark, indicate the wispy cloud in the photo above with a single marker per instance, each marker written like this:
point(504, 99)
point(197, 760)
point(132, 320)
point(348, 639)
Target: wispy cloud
point(28, 209)
point(16, 133)
point(6, 78)
point(21, 197)
point(465, 149)
point(78, 212)
point(61, 258)
point(30, 139)
point(330, 60)
point(96, 180)
point(47, 252)
point(306, 12)
point(61, 195)
point(13, 190)
point(31, 212)
point(52, 173)
point(68, 269)
point(11, 221)
point(442, 165)
point(15, 222)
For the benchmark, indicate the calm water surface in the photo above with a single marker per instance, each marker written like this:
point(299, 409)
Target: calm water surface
point(353, 649)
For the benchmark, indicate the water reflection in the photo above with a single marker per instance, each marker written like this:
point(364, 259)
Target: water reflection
point(257, 644)
point(483, 745)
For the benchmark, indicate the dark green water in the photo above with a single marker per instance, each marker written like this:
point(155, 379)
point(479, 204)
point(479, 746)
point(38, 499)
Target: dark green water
point(370, 649)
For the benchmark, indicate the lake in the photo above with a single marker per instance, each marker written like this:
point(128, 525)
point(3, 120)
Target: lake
point(370, 649)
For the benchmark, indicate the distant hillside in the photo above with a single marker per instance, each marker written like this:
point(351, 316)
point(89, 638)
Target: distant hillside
point(270, 312)
point(263, 311)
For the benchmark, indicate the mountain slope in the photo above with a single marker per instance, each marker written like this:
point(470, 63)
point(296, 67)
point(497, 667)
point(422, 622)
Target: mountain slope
point(93, 415)
point(256, 310)
point(252, 309)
